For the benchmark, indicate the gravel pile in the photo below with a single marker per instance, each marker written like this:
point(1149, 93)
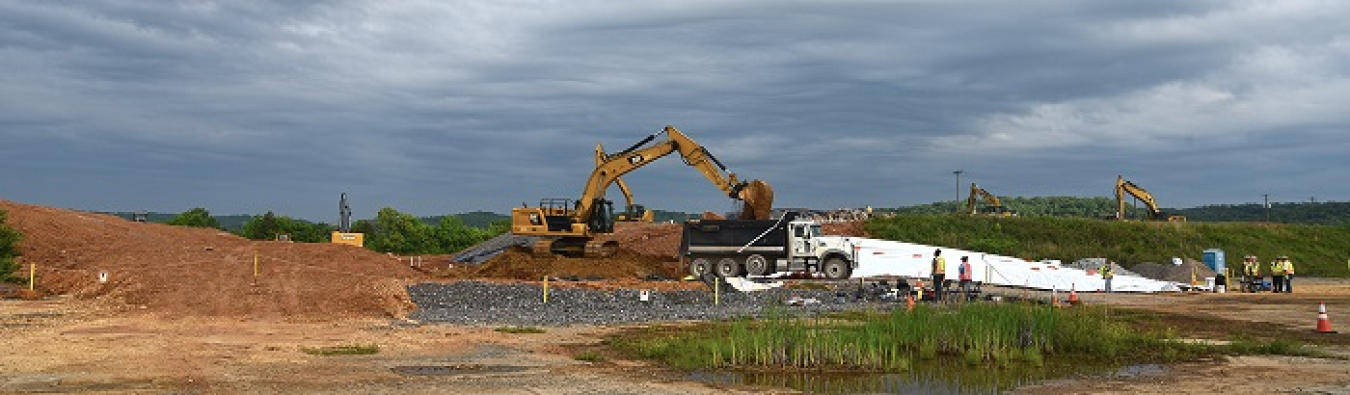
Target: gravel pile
point(1096, 264)
point(482, 303)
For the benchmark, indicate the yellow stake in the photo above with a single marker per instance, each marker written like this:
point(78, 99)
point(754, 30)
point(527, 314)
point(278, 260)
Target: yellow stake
point(32, 275)
point(255, 263)
point(545, 289)
point(717, 288)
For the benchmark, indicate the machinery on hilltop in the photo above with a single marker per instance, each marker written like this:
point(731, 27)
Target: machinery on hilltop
point(1124, 187)
point(344, 234)
point(994, 207)
point(569, 227)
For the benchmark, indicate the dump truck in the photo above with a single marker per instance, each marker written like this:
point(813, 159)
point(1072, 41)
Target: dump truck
point(791, 243)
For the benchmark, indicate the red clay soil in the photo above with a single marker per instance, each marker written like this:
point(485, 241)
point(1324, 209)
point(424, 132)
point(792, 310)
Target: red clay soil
point(184, 271)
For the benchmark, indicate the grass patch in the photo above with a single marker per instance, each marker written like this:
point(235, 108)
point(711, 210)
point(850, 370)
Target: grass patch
point(519, 329)
point(981, 334)
point(589, 356)
point(351, 349)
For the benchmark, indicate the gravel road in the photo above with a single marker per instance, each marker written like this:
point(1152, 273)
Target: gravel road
point(482, 303)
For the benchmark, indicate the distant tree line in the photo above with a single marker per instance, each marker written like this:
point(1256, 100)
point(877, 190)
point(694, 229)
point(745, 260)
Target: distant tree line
point(390, 231)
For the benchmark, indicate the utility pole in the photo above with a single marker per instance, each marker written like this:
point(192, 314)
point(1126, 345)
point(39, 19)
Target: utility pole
point(1267, 196)
point(958, 189)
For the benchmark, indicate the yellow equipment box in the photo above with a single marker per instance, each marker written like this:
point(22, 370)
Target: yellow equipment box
point(356, 239)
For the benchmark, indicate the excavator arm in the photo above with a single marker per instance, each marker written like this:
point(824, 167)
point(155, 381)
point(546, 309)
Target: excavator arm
point(570, 227)
point(631, 212)
point(757, 196)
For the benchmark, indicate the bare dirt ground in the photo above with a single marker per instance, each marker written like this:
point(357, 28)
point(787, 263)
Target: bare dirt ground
point(183, 311)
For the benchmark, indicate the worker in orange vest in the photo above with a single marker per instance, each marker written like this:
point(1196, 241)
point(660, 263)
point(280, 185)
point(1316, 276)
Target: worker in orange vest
point(939, 275)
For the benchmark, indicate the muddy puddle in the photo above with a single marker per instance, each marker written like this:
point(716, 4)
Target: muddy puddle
point(928, 377)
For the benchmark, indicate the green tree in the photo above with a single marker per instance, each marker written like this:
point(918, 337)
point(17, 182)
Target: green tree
point(401, 233)
point(268, 226)
point(263, 227)
point(9, 248)
point(453, 235)
point(197, 217)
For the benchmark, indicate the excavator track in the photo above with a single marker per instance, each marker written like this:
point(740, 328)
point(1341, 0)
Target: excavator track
point(601, 249)
point(543, 248)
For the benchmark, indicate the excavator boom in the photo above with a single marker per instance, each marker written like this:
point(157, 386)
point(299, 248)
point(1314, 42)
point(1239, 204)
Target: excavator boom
point(576, 223)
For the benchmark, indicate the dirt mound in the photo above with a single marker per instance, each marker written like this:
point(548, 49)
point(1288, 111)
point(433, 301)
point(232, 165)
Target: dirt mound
point(204, 272)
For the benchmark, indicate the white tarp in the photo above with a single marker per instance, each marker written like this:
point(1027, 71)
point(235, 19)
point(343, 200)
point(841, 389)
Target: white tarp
point(884, 257)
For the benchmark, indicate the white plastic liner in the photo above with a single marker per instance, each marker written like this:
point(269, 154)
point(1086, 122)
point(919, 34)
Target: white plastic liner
point(892, 258)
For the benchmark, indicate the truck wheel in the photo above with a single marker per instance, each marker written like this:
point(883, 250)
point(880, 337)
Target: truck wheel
point(836, 269)
point(758, 265)
point(727, 267)
point(699, 267)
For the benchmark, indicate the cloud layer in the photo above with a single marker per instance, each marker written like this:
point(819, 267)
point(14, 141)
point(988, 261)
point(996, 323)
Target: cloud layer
point(437, 107)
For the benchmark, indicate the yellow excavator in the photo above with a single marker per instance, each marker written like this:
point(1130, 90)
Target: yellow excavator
point(995, 207)
point(631, 212)
point(1124, 187)
point(569, 227)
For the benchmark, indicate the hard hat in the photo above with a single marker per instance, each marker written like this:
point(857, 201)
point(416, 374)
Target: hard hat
point(1284, 257)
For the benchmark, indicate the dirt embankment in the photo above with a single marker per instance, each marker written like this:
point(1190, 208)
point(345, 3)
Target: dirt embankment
point(204, 272)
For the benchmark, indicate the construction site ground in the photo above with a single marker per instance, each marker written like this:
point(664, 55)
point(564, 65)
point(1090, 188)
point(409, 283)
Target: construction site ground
point(182, 310)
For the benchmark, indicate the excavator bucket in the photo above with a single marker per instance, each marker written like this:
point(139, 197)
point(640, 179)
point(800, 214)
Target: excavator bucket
point(758, 198)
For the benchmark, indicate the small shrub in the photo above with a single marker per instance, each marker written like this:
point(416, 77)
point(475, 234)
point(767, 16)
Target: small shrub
point(351, 349)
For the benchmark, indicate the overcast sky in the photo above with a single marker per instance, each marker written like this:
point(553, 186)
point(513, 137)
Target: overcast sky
point(437, 107)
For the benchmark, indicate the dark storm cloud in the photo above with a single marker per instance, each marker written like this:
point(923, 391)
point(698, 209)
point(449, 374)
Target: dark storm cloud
point(436, 107)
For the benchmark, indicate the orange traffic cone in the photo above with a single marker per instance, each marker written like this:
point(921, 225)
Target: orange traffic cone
point(1323, 323)
point(909, 302)
point(1073, 296)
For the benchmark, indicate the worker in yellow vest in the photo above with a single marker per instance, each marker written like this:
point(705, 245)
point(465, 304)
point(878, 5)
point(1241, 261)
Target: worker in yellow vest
point(939, 275)
point(1277, 275)
point(1107, 274)
point(1251, 273)
point(1288, 274)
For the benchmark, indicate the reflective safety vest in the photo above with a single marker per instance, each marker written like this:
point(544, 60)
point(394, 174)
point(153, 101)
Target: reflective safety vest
point(1252, 268)
point(1288, 267)
point(966, 274)
point(1276, 268)
point(1107, 271)
point(939, 265)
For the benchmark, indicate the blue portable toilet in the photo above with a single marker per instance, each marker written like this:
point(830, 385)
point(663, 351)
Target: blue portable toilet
point(1214, 259)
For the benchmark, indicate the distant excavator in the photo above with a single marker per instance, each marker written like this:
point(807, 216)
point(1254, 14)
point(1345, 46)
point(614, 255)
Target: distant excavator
point(1124, 187)
point(994, 208)
point(569, 227)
